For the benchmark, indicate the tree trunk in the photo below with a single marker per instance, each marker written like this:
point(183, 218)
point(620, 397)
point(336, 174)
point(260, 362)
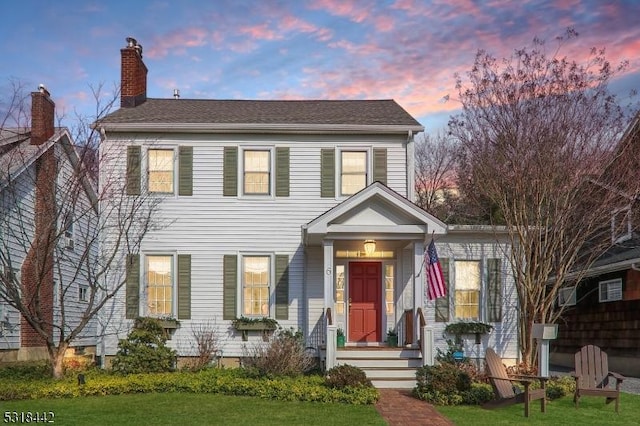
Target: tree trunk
point(57, 360)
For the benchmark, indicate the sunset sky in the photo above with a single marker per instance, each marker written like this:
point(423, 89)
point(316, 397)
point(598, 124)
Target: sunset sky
point(407, 50)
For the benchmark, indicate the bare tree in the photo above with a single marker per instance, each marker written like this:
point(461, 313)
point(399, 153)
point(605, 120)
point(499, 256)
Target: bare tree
point(436, 180)
point(537, 133)
point(56, 274)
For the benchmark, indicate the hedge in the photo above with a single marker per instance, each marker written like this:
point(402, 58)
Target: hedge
point(221, 381)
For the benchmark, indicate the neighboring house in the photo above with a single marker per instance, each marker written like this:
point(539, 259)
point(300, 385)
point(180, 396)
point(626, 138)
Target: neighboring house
point(602, 309)
point(299, 211)
point(40, 231)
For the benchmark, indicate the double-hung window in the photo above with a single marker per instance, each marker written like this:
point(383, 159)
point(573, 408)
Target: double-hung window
point(256, 280)
point(257, 172)
point(160, 170)
point(353, 171)
point(610, 290)
point(467, 289)
point(160, 277)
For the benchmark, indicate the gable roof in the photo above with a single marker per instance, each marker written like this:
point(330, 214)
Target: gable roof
point(377, 211)
point(17, 154)
point(264, 115)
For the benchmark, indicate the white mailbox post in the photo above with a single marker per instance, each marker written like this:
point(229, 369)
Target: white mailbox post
point(544, 333)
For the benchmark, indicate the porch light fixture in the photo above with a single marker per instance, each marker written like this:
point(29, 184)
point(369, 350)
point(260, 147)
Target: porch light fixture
point(370, 247)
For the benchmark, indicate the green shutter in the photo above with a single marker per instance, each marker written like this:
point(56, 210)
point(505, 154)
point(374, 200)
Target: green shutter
point(282, 172)
point(133, 286)
point(185, 172)
point(133, 170)
point(184, 286)
point(494, 291)
point(380, 165)
point(282, 286)
point(230, 166)
point(328, 173)
point(442, 303)
point(229, 286)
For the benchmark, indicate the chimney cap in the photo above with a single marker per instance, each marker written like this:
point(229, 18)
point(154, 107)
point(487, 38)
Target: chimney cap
point(43, 89)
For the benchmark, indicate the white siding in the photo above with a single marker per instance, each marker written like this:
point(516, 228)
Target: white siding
point(207, 225)
point(71, 270)
point(503, 338)
point(16, 233)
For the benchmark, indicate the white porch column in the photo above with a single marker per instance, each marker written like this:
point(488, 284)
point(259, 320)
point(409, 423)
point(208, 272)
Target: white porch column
point(331, 330)
point(327, 248)
point(418, 285)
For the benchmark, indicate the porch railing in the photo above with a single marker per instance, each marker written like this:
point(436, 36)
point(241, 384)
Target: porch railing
point(426, 339)
point(331, 340)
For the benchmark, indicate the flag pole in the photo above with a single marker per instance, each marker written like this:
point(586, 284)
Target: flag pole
point(425, 249)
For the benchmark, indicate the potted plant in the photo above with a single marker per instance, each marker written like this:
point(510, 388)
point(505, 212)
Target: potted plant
point(264, 324)
point(476, 328)
point(340, 339)
point(392, 338)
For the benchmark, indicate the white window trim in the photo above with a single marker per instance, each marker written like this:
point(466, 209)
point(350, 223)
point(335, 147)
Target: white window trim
point(272, 172)
point(68, 236)
point(86, 296)
point(272, 284)
point(567, 296)
point(338, 178)
point(482, 290)
point(145, 169)
point(174, 284)
point(616, 282)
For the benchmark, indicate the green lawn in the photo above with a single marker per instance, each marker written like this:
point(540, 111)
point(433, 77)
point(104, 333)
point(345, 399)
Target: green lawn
point(194, 409)
point(592, 411)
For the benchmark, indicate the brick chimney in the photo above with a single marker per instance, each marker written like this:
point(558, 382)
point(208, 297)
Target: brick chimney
point(37, 268)
point(42, 116)
point(133, 77)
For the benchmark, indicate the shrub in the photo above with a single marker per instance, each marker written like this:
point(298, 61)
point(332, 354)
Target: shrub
point(207, 345)
point(478, 394)
point(344, 376)
point(558, 387)
point(25, 371)
point(211, 380)
point(442, 384)
point(284, 355)
point(144, 350)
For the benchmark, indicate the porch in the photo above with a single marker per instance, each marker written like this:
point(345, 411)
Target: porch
point(386, 366)
point(365, 259)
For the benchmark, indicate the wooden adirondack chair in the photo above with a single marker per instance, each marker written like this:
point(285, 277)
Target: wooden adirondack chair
point(502, 385)
point(592, 375)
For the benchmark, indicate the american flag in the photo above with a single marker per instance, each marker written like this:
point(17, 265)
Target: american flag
point(435, 280)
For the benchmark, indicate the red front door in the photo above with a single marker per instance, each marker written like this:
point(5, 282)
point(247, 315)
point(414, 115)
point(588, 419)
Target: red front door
point(365, 281)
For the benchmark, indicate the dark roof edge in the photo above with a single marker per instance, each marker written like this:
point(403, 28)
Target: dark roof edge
point(261, 128)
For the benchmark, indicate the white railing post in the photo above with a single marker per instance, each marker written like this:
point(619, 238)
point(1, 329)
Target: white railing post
point(330, 355)
point(427, 343)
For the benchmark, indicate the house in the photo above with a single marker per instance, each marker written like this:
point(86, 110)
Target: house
point(602, 308)
point(300, 211)
point(45, 210)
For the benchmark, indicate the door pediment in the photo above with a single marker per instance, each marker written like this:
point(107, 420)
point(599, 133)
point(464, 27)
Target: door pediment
point(375, 210)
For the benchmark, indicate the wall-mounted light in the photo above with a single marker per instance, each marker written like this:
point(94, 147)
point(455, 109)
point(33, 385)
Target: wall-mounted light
point(370, 247)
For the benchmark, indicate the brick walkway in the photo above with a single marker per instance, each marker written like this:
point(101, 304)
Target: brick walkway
point(399, 408)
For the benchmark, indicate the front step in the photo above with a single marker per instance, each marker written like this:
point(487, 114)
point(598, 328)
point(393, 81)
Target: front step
point(385, 367)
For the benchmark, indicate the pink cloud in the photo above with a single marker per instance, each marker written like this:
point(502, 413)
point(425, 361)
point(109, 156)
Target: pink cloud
point(351, 9)
point(177, 42)
point(260, 32)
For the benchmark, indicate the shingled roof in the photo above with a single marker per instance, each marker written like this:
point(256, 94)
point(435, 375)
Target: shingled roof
point(266, 112)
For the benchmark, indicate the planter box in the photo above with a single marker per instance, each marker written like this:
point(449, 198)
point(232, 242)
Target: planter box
point(255, 326)
point(168, 324)
point(266, 329)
